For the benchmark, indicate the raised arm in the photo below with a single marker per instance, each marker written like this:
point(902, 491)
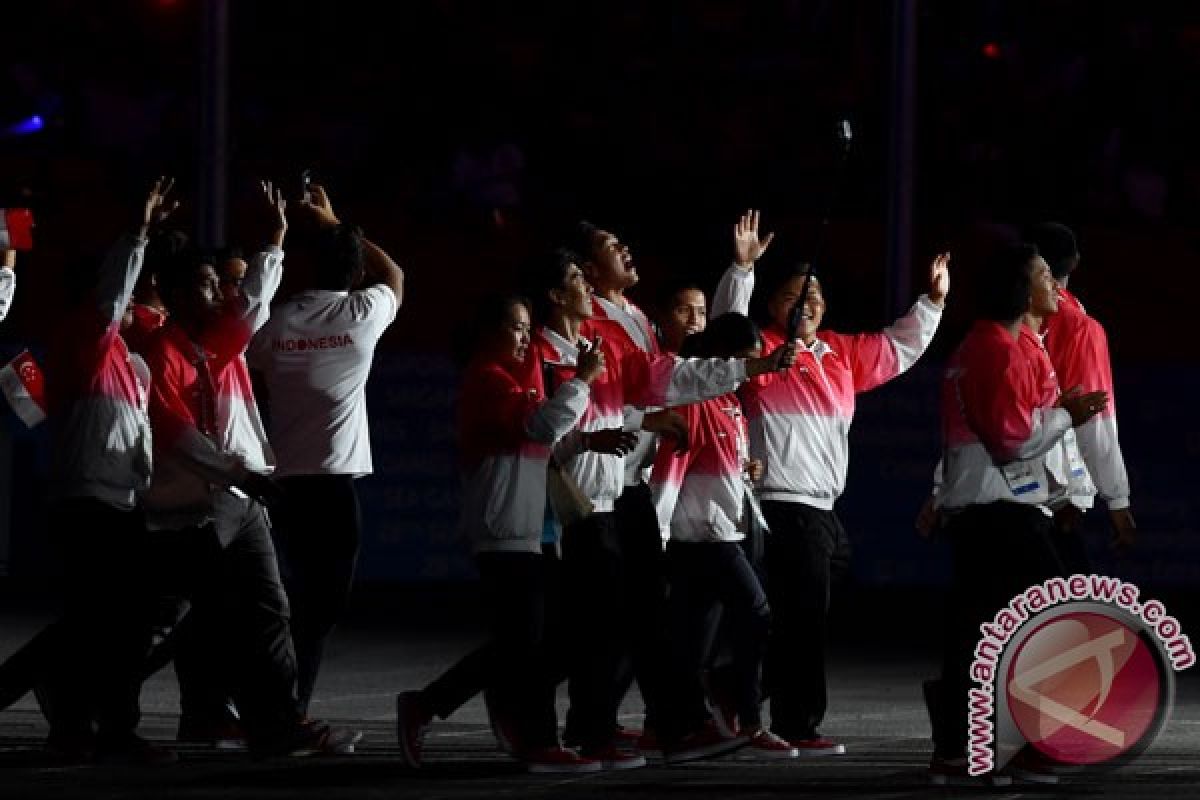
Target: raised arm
point(737, 284)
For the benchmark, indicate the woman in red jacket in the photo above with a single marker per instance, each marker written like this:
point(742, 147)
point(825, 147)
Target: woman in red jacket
point(506, 428)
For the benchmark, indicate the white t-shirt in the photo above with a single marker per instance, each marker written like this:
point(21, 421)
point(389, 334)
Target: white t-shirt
point(315, 353)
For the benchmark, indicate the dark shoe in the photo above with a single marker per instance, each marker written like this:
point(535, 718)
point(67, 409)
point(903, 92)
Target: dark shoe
point(706, 742)
point(133, 750)
point(953, 772)
point(226, 735)
point(411, 723)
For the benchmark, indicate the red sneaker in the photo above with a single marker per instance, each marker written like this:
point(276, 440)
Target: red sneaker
point(647, 744)
point(616, 758)
point(558, 759)
point(765, 744)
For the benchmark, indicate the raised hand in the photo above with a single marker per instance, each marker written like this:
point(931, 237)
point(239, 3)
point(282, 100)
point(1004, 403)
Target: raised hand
point(317, 204)
point(747, 247)
point(277, 215)
point(939, 278)
point(590, 364)
point(157, 208)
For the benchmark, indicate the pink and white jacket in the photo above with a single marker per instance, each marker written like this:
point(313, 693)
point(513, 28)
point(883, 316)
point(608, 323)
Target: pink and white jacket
point(96, 393)
point(999, 422)
point(506, 428)
point(700, 494)
point(193, 471)
point(800, 419)
point(1078, 348)
point(634, 378)
point(630, 326)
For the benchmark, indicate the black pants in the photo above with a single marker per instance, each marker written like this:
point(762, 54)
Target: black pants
point(317, 531)
point(595, 635)
point(999, 550)
point(807, 551)
point(722, 670)
point(93, 655)
point(233, 584)
point(516, 664)
point(703, 575)
point(645, 597)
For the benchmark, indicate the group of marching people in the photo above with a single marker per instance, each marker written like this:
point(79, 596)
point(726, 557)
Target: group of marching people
point(162, 476)
point(647, 500)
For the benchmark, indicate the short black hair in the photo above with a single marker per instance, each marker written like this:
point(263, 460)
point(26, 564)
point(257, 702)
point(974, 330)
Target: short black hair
point(489, 317)
point(727, 334)
point(668, 291)
point(339, 257)
point(1004, 290)
point(545, 272)
point(1055, 243)
point(581, 240)
point(173, 259)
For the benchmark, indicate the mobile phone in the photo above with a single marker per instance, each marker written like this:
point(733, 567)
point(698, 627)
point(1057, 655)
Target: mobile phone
point(16, 229)
point(306, 179)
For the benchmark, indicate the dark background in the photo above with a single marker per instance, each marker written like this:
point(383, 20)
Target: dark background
point(461, 135)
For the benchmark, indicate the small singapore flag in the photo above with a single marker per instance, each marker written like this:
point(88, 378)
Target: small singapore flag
point(24, 387)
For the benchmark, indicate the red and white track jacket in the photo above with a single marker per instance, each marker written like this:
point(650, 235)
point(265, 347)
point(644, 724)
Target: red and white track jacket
point(800, 419)
point(700, 494)
point(999, 422)
point(192, 470)
point(96, 393)
point(631, 377)
point(630, 326)
point(1078, 348)
point(506, 428)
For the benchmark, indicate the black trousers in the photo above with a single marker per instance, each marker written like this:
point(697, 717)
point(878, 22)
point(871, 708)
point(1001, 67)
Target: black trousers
point(517, 664)
point(806, 552)
point(645, 596)
point(232, 583)
point(703, 577)
point(999, 550)
point(595, 632)
point(92, 657)
point(318, 529)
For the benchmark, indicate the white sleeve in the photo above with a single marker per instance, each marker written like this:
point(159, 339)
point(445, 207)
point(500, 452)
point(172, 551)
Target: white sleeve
point(118, 276)
point(557, 416)
point(1049, 425)
point(733, 292)
point(262, 280)
point(912, 333)
point(373, 309)
point(8, 285)
point(1097, 441)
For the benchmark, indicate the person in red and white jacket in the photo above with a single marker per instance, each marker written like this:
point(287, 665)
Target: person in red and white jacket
point(705, 504)
point(507, 426)
point(1078, 349)
point(206, 499)
point(592, 456)
point(799, 426)
point(1001, 419)
point(609, 266)
point(101, 465)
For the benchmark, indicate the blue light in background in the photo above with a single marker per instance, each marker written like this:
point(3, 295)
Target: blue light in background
point(26, 126)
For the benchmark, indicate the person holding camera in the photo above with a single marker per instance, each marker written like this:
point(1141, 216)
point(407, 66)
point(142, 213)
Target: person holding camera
point(315, 353)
